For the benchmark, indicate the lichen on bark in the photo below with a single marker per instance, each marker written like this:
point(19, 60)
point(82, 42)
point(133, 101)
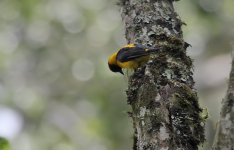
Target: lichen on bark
point(165, 109)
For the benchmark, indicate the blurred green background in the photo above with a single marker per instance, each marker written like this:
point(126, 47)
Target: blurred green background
point(56, 92)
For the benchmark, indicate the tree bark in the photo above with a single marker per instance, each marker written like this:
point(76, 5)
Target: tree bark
point(224, 139)
point(165, 109)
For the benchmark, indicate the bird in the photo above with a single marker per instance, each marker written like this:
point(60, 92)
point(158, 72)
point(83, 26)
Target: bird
point(130, 56)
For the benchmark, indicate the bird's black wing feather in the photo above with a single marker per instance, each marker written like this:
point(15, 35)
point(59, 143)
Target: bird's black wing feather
point(127, 54)
point(130, 53)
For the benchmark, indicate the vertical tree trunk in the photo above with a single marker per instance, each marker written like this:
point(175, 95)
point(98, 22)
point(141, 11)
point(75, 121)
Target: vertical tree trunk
point(165, 109)
point(224, 139)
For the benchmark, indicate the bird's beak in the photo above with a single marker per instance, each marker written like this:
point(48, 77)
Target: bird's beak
point(121, 71)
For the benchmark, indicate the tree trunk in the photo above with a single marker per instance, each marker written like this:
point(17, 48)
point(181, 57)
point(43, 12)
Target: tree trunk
point(165, 109)
point(224, 139)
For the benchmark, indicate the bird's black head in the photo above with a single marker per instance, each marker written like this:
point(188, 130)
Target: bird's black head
point(115, 68)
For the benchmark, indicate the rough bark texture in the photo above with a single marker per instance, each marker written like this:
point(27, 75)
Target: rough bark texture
point(225, 128)
point(165, 109)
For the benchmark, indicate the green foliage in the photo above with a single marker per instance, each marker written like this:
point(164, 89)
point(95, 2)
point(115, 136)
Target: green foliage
point(4, 144)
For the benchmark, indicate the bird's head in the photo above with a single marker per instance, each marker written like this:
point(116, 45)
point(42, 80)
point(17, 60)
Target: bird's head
point(112, 63)
point(115, 68)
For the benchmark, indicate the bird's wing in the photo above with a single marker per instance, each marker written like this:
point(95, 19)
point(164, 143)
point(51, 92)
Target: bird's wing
point(127, 54)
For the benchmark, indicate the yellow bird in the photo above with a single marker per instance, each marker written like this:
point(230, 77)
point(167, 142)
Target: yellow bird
point(130, 56)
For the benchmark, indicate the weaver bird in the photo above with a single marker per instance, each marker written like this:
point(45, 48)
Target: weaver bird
point(130, 56)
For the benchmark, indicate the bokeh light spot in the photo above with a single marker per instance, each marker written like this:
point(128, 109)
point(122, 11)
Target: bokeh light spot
point(101, 40)
point(72, 19)
point(10, 122)
point(38, 32)
point(63, 146)
point(8, 40)
point(109, 20)
point(93, 5)
point(83, 69)
point(210, 5)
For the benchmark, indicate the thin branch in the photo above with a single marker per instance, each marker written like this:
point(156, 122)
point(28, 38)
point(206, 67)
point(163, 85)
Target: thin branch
point(224, 139)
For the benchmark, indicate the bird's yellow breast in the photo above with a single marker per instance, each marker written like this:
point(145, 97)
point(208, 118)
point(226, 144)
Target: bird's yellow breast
point(128, 64)
point(133, 64)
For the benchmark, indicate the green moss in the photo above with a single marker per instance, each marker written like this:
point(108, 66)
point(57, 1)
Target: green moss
point(186, 117)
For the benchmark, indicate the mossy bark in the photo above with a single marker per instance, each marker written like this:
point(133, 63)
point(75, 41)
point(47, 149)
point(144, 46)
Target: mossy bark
point(224, 139)
point(165, 109)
